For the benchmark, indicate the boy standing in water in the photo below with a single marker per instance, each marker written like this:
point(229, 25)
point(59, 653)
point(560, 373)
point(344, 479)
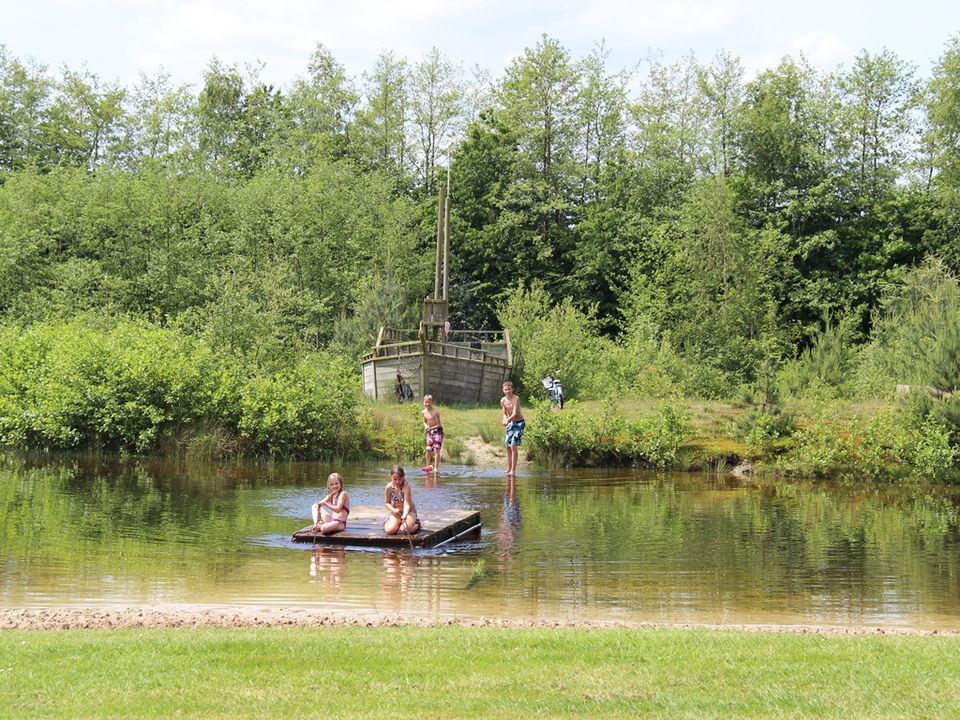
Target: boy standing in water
point(431, 424)
point(513, 421)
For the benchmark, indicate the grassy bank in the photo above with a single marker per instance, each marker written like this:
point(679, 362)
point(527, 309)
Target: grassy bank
point(829, 439)
point(473, 672)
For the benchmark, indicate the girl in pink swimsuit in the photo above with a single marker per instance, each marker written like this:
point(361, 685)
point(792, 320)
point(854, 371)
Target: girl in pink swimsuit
point(330, 514)
point(398, 498)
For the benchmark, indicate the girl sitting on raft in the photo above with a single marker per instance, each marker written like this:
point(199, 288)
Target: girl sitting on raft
point(330, 514)
point(398, 498)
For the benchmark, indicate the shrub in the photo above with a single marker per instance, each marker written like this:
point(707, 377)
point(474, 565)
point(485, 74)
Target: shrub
point(889, 445)
point(308, 410)
point(79, 385)
point(126, 385)
point(547, 337)
point(575, 438)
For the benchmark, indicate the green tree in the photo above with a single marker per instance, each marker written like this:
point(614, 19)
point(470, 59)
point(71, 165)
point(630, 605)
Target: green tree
point(379, 130)
point(435, 102)
point(943, 141)
point(25, 97)
point(321, 107)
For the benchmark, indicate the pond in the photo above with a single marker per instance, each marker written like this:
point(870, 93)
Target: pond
point(596, 545)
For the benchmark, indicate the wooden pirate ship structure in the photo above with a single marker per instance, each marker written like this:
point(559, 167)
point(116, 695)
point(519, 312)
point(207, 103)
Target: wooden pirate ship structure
point(457, 367)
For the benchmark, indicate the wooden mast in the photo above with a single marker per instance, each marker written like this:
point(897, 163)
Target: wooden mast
point(446, 236)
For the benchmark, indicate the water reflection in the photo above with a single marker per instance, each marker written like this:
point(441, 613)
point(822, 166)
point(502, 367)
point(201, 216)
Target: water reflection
point(509, 527)
point(398, 572)
point(432, 480)
point(327, 565)
point(592, 545)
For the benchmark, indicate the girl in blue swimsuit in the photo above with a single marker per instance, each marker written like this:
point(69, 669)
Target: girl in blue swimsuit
point(398, 498)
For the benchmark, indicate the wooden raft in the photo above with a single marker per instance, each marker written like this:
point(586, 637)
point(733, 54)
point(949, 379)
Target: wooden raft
point(365, 527)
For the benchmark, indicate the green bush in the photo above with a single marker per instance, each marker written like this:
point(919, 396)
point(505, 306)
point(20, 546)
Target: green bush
point(133, 386)
point(889, 445)
point(575, 438)
point(548, 337)
point(308, 410)
point(79, 385)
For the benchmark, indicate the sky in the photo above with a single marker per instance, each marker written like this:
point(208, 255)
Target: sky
point(120, 39)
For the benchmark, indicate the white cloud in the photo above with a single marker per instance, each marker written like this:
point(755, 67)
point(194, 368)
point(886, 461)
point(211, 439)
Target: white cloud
point(823, 49)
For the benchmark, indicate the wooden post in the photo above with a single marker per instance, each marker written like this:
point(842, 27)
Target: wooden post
point(424, 348)
point(436, 264)
point(446, 245)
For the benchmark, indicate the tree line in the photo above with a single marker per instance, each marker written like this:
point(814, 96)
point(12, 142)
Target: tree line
point(683, 216)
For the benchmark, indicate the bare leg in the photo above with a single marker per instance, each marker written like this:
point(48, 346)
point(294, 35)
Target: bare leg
point(391, 525)
point(332, 526)
point(411, 524)
point(315, 509)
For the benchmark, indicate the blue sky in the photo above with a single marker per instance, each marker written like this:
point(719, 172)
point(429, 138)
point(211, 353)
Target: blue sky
point(118, 39)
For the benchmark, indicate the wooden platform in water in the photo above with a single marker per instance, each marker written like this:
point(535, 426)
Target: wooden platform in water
point(365, 527)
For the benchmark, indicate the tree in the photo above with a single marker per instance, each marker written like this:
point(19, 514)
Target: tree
point(321, 107)
point(379, 130)
point(159, 122)
point(538, 100)
point(219, 116)
point(25, 96)
point(669, 143)
point(943, 139)
point(721, 85)
point(878, 96)
point(436, 95)
point(85, 119)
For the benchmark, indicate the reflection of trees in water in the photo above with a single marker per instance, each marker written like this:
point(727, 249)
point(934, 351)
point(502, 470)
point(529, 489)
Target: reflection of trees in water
point(327, 565)
point(798, 546)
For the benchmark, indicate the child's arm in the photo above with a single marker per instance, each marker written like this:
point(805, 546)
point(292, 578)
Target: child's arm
point(386, 501)
point(407, 503)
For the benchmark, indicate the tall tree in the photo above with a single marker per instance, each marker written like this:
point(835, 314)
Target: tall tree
point(943, 139)
point(669, 143)
point(321, 108)
point(160, 121)
point(219, 115)
point(85, 119)
point(879, 95)
point(25, 96)
point(538, 100)
point(721, 84)
point(436, 96)
point(379, 131)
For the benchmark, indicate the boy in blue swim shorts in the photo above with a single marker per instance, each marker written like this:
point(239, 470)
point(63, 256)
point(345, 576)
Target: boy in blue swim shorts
point(513, 421)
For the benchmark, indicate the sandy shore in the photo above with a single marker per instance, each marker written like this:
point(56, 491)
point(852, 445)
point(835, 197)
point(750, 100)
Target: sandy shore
point(120, 618)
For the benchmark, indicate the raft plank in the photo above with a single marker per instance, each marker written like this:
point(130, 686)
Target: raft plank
point(365, 527)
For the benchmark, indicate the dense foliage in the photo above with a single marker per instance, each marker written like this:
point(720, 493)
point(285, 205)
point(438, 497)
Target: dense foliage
point(684, 229)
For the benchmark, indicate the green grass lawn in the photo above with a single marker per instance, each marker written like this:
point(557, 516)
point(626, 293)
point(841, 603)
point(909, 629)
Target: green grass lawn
point(454, 672)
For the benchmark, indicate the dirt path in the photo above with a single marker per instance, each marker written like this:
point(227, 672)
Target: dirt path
point(488, 454)
point(160, 617)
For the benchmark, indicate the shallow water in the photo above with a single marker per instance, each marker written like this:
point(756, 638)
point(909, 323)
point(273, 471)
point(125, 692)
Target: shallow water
point(567, 545)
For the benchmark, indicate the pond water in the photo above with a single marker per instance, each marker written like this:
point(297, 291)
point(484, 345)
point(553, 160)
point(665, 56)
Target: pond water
point(568, 545)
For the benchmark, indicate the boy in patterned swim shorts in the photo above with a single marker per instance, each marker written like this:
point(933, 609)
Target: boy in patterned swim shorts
point(434, 430)
point(513, 421)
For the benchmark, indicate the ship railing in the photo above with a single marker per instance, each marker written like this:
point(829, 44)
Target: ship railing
point(495, 354)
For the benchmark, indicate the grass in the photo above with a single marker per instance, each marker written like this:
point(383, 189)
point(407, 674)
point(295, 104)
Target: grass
point(460, 672)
